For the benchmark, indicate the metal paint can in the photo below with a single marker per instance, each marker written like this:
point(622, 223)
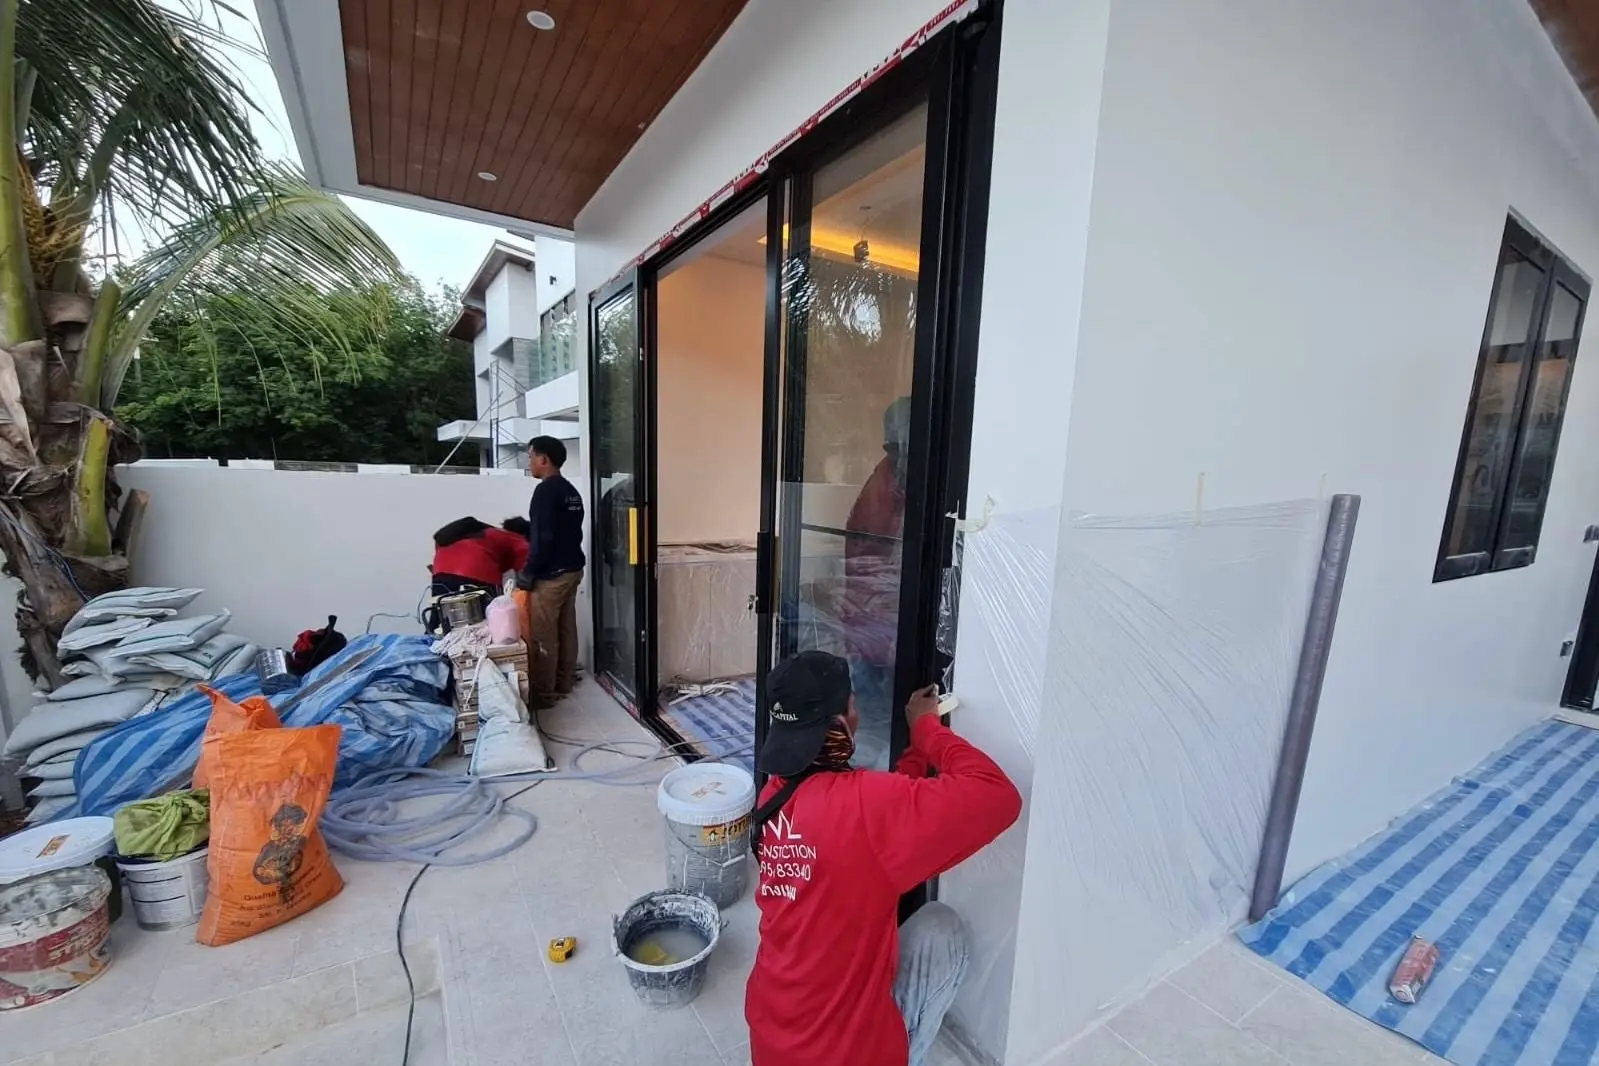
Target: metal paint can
point(1414, 970)
point(55, 935)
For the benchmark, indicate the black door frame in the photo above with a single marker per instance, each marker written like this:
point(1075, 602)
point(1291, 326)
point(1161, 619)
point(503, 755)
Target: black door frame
point(1582, 676)
point(642, 532)
point(649, 274)
point(956, 74)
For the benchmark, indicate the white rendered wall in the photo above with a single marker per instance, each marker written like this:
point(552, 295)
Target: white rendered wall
point(284, 549)
point(711, 335)
point(556, 270)
point(511, 305)
point(1296, 215)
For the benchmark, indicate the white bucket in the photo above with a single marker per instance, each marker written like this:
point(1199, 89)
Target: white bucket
point(707, 807)
point(167, 895)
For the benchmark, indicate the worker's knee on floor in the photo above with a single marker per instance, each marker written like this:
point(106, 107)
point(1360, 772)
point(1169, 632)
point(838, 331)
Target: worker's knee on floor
point(935, 927)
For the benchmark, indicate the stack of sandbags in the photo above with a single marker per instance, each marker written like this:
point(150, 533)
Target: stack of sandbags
point(125, 653)
point(47, 742)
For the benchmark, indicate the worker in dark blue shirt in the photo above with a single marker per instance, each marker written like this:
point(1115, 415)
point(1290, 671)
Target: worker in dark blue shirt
point(553, 571)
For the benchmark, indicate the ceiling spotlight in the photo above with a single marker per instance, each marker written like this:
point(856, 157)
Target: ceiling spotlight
point(540, 20)
point(488, 175)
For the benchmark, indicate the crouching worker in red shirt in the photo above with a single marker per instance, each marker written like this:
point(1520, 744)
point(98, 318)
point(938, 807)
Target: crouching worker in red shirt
point(837, 980)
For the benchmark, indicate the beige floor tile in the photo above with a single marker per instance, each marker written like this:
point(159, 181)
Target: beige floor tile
point(116, 999)
point(1170, 1028)
point(721, 1005)
point(1310, 1030)
point(1099, 1048)
point(1228, 979)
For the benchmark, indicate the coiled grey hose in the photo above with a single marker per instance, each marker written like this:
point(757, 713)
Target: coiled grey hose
point(365, 822)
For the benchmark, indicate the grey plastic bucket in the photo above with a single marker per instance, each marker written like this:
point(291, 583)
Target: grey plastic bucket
point(707, 808)
point(676, 984)
point(167, 895)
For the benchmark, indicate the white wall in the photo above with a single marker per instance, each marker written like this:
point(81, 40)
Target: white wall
point(556, 270)
point(511, 305)
point(1295, 221)
point(711, 334)
point(1052, 61)
point(284, 549)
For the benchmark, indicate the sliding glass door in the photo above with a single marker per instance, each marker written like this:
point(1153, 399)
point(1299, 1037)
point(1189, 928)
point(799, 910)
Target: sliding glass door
point(850, 280)
point(617, 430)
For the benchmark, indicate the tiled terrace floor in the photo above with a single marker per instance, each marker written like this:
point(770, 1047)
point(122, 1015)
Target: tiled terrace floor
point(1229, 1008)
point(308, 993)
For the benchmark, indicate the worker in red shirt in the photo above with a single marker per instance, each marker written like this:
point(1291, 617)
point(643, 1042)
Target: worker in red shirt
point(837, 980)
point(469, 554)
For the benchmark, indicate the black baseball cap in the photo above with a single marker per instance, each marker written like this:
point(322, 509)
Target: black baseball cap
point(807, 692)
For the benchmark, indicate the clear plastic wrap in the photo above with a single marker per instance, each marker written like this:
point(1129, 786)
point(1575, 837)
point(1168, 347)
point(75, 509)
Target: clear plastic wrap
point(1132, 673)
point(707, 618)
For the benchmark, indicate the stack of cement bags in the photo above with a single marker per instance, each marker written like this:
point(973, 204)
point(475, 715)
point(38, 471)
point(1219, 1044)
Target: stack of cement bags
point(125, 654)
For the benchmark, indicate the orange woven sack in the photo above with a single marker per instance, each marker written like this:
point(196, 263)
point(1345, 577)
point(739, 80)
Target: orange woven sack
point(268, 863)
point(228, 717)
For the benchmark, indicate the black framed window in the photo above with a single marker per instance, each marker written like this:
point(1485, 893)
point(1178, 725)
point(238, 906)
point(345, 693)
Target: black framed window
point(1507, 452)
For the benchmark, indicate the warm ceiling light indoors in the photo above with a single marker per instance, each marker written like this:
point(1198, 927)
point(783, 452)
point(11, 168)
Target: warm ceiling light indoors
point(488, 175)
point(540, 20)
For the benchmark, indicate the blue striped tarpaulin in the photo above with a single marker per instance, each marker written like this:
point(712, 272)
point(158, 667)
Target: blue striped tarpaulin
point(720, 724)
point(386, 692)
point(1501, 871)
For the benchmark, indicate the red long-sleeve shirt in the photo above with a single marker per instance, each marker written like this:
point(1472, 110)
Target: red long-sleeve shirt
point(833, 865)
point(482, 559)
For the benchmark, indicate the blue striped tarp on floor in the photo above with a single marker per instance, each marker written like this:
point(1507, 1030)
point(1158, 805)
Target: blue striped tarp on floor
point(1501, 871)
point(719, 724)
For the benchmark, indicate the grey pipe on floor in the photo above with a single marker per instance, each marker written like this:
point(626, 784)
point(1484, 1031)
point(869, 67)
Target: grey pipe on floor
point(1302, 705)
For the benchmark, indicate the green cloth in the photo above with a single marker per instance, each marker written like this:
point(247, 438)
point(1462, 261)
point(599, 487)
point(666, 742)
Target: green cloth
point(164, 827)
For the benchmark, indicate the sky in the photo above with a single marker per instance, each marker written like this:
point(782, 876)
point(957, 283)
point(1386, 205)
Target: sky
point(438, 250)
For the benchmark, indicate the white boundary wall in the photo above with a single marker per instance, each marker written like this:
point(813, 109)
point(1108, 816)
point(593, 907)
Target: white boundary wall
point(284, 549)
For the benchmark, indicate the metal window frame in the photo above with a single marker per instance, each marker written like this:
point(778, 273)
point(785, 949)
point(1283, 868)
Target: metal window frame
point(1556, 271)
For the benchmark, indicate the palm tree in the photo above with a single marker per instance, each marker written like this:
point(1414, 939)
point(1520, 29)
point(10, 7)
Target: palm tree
point(123, 114)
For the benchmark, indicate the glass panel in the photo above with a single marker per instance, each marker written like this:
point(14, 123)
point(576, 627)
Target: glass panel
point(615, 408)
point(1492, 430)
point(852, 316)
point(1534, 466)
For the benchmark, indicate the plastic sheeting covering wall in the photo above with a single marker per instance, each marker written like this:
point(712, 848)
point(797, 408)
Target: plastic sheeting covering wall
point(1152, 735)
point(1002, 624)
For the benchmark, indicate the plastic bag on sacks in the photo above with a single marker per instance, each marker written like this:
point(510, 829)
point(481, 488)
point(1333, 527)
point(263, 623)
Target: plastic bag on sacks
point(507, 743)
point(504, 618)
point(256, 712)
point(268, 863)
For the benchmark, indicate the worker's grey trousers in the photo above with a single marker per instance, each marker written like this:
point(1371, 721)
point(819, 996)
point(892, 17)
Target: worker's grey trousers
point(932, 962)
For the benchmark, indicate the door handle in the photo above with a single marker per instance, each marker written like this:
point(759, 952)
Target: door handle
point(632, 536)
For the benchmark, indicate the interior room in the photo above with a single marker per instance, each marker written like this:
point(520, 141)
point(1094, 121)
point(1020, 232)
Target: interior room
point(710, 332)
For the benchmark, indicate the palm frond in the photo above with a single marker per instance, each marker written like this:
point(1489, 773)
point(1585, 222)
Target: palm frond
point(137, 102)
point(285, 239)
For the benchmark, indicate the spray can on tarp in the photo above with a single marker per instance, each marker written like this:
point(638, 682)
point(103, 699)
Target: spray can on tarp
point(1414, 970)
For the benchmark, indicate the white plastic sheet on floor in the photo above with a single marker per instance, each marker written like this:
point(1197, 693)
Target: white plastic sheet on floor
point(1133, 675)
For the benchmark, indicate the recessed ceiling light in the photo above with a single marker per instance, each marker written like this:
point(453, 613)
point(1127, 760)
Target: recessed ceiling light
point(540, 20)
point(487, 175)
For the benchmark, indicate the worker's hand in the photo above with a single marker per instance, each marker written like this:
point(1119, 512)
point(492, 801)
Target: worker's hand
point(923, 704)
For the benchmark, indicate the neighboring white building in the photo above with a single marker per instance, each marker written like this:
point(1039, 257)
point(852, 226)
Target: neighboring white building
point(1158, 277)
point(516, 314)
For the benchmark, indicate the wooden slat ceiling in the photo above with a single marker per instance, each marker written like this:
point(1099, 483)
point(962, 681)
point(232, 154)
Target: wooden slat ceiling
point(1574, 27)
point(443, 89)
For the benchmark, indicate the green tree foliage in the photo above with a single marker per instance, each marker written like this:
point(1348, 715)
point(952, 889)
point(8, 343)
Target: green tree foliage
point(219, 376)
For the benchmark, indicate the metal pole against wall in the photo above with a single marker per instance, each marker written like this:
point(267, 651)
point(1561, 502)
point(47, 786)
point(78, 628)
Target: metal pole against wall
point(1313, 653)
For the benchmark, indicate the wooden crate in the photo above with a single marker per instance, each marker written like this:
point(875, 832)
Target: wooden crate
point(506, 657)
